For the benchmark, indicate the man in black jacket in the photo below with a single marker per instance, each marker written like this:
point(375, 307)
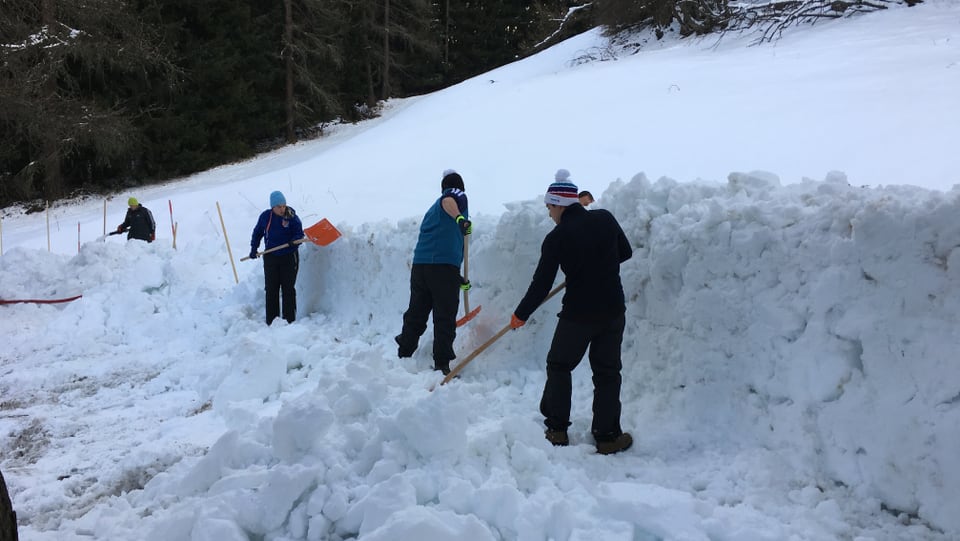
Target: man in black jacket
point(588, 245)
point(139, 222)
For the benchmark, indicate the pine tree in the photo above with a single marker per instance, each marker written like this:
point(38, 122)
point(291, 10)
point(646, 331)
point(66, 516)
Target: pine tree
point(311, 56)
point(64, 119)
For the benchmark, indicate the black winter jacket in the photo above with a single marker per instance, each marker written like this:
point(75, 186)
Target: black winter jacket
point(588, 245)
point(140, 224)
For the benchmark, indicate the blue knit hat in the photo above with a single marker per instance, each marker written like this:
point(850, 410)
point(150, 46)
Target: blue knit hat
point(277, 198)
point(562, 192)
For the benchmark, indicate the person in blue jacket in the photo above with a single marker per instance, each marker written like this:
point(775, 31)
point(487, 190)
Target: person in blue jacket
point(277, 226)
point(435, 281)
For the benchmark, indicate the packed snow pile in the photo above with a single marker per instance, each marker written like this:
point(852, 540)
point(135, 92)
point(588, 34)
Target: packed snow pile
point(788, 374)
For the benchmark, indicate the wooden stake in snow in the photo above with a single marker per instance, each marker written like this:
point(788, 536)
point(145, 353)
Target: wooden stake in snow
point(227, 240)
point(104, 217)
point(48, 226)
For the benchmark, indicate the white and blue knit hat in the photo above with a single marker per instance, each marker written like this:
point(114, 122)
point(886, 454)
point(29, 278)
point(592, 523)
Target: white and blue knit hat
point(562, 192)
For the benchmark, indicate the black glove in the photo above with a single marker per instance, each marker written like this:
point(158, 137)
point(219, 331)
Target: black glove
point(253, 253)
point(465, 226)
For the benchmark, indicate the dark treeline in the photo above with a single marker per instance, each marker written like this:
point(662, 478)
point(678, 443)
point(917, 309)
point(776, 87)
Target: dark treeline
point(102, 95)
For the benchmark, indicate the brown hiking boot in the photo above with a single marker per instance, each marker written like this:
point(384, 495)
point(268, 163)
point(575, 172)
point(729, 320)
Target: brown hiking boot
point(558, 437)
point(620, 443)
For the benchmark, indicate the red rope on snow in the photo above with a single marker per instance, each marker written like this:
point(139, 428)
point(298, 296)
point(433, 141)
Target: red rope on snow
point(39, 301)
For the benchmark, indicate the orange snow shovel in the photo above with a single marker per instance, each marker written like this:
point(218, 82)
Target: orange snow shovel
point(467, 313)
point(321, 233)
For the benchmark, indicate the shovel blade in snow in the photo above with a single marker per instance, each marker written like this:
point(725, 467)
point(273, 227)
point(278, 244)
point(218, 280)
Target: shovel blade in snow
point(322, 233)
point(468, 316)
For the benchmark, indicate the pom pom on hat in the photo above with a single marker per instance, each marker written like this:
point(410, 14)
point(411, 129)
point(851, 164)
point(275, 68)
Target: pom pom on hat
point(277, 198)
point(563, 192)
point(132, 202)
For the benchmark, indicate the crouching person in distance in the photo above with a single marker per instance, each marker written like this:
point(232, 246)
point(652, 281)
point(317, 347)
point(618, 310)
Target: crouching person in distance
point(138, 223)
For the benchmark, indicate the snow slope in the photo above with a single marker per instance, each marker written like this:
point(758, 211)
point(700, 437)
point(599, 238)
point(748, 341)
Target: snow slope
point(789, 358)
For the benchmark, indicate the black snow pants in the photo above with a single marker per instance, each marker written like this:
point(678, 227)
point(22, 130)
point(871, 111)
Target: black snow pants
point(570, 341)
point(433, 288)
point(280, 275)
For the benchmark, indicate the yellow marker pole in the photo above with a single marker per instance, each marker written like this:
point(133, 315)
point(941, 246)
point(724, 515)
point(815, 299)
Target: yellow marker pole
point(227, 240)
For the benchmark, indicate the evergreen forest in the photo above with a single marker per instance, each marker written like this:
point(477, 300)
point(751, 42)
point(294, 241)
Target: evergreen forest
point(103, 95)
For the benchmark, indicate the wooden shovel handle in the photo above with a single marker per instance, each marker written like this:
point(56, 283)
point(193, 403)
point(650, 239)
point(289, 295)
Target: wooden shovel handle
point(275, 248)
point(466, 273)
point(456, 370)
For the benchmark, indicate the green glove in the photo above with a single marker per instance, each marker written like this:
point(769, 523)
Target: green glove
point(466, 227)
point(465, 284)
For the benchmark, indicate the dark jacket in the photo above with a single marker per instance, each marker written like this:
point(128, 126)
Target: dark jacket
point(139, 224)
point(588, 245)
point(276, 230)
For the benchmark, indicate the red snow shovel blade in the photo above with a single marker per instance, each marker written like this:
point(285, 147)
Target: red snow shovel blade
point(322, 233)
point(468, 316)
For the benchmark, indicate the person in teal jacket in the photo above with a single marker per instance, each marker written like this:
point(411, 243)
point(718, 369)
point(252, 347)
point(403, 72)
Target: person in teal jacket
point(435, 281)
point(277, 226)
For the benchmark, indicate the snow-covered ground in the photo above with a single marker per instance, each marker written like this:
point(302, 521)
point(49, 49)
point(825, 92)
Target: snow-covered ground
point(790, 365)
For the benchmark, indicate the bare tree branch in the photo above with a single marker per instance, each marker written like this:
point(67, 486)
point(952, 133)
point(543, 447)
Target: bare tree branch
point(775, 17)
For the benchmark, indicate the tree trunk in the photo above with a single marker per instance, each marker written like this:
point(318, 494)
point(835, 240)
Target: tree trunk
point(386, 50)
point(371, 94)
point(8, 519)
point(288, 61)
point(446, 35)
point(49, 149)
